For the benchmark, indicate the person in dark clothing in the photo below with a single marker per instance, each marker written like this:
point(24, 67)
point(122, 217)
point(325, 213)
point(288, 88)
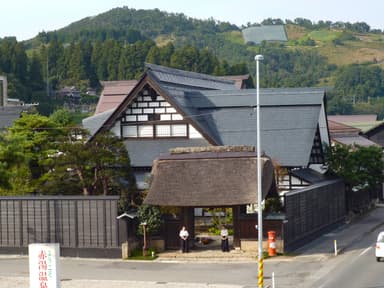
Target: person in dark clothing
point(224, 239)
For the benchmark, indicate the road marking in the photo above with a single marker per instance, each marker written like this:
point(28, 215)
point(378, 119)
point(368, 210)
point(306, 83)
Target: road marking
point(365, 251)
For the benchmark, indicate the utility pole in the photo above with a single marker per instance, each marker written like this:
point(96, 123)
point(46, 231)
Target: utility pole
point(258, 58)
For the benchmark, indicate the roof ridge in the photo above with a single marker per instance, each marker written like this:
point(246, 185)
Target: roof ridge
point(189, 74)
point(226, 148)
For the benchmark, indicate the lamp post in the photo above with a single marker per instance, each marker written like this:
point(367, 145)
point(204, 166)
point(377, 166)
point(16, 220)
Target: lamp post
point(258, 58)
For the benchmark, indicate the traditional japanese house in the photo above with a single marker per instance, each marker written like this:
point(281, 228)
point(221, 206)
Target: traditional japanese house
point(170, 108)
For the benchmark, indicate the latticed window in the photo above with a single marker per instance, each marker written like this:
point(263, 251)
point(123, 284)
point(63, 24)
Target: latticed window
point(151, 116)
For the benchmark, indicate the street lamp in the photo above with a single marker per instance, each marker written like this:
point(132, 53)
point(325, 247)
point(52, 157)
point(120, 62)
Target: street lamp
point(258, 58)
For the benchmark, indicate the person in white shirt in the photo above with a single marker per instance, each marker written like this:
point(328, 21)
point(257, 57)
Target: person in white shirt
point(224, 239)
point(184, 239)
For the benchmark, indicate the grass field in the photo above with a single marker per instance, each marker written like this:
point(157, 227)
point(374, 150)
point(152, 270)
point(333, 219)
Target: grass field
point(367, 48)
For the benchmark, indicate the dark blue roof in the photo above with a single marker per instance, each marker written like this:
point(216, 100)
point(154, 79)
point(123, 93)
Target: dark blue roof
point(290, 117)
point(188, 80)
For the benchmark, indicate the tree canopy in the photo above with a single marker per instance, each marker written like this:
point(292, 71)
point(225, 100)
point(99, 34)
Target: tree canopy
point(359, 166)
point(48, 155)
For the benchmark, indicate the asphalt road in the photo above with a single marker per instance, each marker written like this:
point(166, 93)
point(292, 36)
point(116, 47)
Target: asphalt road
point(357, 268)
point(288, 272)
point(237, 274)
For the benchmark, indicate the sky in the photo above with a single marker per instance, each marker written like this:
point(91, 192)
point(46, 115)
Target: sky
point(26, 18)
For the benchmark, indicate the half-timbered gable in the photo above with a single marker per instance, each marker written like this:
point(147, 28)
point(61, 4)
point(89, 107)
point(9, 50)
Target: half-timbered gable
point(150, 116)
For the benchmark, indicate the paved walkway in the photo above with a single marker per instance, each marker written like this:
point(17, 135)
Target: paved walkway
point(208, 253)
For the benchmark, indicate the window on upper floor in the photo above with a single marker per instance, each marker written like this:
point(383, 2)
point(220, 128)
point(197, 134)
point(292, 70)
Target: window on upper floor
point(151, 116)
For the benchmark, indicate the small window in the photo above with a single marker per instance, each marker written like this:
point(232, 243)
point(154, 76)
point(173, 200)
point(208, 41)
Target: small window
point(142, 117)
point(130, 118)
point(179, 130)
point(148, 110)
point(142, 104)
point(165, 117)
point(136, 111)
point(160, 110)
point(145, 131)
point(130, 131)
point(163, 130)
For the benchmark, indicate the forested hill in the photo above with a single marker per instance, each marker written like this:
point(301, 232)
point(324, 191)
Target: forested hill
point(130, 25)
point(341, 43)
point(114, 46)
point(123, 23)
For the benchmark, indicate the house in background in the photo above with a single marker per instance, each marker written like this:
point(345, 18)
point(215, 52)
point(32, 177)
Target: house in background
point(363, 130)
point(376, 134)
point(10, 108)
point(241, 81)
point(113, 94)
point(69, 92)
point(347, 135)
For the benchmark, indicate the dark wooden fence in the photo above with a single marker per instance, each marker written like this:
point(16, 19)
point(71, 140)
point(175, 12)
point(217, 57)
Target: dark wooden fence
point(312, 211)
point(84, 226)
point(87, 226)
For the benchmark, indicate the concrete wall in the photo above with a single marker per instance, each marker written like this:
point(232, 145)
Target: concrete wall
point(4, 93)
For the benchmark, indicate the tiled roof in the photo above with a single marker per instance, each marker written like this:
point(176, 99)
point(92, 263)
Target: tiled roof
point(289, 117)
point(310, 175)
point(347, 135)
point(191, 80)
point(353, 118)
point(94, 123)
point(354, 140)
point(239, 80)
point(113, 94)
point(8, 114)
point(337, 129)
point(364, 123)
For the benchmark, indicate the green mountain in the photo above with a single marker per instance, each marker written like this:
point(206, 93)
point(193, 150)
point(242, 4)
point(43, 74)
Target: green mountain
point(114, 46)
point(340, 43)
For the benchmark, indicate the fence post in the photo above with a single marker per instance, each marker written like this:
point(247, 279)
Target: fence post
point(335, 246)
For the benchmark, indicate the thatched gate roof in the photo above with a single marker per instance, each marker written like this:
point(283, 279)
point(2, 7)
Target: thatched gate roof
point(208, 177)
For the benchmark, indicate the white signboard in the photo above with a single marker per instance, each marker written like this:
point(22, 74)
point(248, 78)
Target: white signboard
point(44, 265)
